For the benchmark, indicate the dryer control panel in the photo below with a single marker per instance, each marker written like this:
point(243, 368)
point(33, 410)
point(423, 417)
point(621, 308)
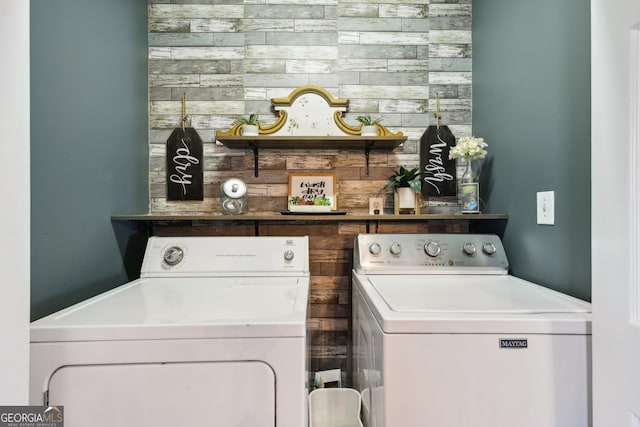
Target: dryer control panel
point(215, 256)
point(430, 254)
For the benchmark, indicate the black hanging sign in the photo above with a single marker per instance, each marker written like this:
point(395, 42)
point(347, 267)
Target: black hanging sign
point(184, 161)
point(184, 165)
point(438, 171)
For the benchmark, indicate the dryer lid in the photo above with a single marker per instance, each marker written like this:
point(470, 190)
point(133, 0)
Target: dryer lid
point(184, 308)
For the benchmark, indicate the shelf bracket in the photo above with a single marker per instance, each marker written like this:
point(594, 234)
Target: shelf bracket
point(255, 159)
point(367, 151)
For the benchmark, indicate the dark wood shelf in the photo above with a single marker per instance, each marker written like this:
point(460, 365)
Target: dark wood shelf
point(306, 217)
point(313, 142)
point(366, 143)
point(476, 223)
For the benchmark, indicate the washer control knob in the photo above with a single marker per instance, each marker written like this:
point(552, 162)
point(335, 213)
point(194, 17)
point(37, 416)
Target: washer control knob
point(489, 248)
point(375, 248)
point(173, 255)
point(395, 248)
point(469, 248)
point(288, 255)
point(432, 248)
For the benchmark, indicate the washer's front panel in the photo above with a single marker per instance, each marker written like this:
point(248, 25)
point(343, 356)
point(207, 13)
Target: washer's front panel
point(486, 380)
point(367, 360)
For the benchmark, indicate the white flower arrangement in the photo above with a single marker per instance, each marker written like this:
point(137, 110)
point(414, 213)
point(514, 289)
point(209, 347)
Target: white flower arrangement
point(469, 148)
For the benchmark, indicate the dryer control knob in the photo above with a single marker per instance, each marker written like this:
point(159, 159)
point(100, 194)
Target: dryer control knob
point(173, 255)
point(395, 248)
point(375, 248)
point(432, 248)
point(288, 255)
point(469, 248)
point(489, 248)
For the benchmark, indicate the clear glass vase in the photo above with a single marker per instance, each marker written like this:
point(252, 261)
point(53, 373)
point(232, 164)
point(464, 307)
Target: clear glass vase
point(468, 195)
point(472, 171)
point(467, 175)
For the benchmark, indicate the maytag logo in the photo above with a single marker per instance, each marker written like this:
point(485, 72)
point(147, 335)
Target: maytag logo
point(513, 343)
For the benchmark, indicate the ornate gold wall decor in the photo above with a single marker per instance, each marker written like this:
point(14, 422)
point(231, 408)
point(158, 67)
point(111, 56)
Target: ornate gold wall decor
point(309, 111)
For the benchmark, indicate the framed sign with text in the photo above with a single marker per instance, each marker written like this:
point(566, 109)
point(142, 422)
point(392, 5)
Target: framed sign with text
point(311, 192)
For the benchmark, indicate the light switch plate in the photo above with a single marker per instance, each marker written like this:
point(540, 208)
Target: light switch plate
point(545, 207)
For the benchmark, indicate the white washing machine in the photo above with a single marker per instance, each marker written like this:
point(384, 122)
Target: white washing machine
point(213, 333)
point(445, 337)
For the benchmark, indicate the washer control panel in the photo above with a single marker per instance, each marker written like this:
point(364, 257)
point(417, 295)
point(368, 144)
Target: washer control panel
point(430, 254)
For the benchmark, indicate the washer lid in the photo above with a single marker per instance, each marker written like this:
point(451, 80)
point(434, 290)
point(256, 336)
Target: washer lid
point(183, 308)
point(475, 294)
point(470, 305)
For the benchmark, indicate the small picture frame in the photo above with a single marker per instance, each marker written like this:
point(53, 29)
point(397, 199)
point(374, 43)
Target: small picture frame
point(376, 205)
point(312, 192)
point(470, 198)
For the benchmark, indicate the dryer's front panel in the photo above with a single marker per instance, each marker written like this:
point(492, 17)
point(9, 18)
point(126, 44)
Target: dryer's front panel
point(230, 394)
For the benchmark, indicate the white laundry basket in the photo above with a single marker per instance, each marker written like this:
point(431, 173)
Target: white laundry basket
point(334, 407)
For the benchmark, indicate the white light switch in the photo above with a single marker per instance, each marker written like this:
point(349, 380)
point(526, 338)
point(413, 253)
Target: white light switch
point(545, 210)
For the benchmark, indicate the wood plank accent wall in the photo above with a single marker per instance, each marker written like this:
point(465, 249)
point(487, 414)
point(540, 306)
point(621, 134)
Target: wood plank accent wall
point(231, 57)
point(331, 261)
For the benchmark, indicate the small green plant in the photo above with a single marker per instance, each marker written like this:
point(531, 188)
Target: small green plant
point(405, 178)
point(366, 120)
point(319, 201)
point(251, 120)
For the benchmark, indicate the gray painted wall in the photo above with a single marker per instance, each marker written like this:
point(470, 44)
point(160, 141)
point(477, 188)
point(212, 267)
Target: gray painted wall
point(531, 102)
point(89, 142)
point(89, 157)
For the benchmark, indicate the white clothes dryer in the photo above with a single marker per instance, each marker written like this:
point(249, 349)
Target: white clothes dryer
point(213, 333)
point(444, 336)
